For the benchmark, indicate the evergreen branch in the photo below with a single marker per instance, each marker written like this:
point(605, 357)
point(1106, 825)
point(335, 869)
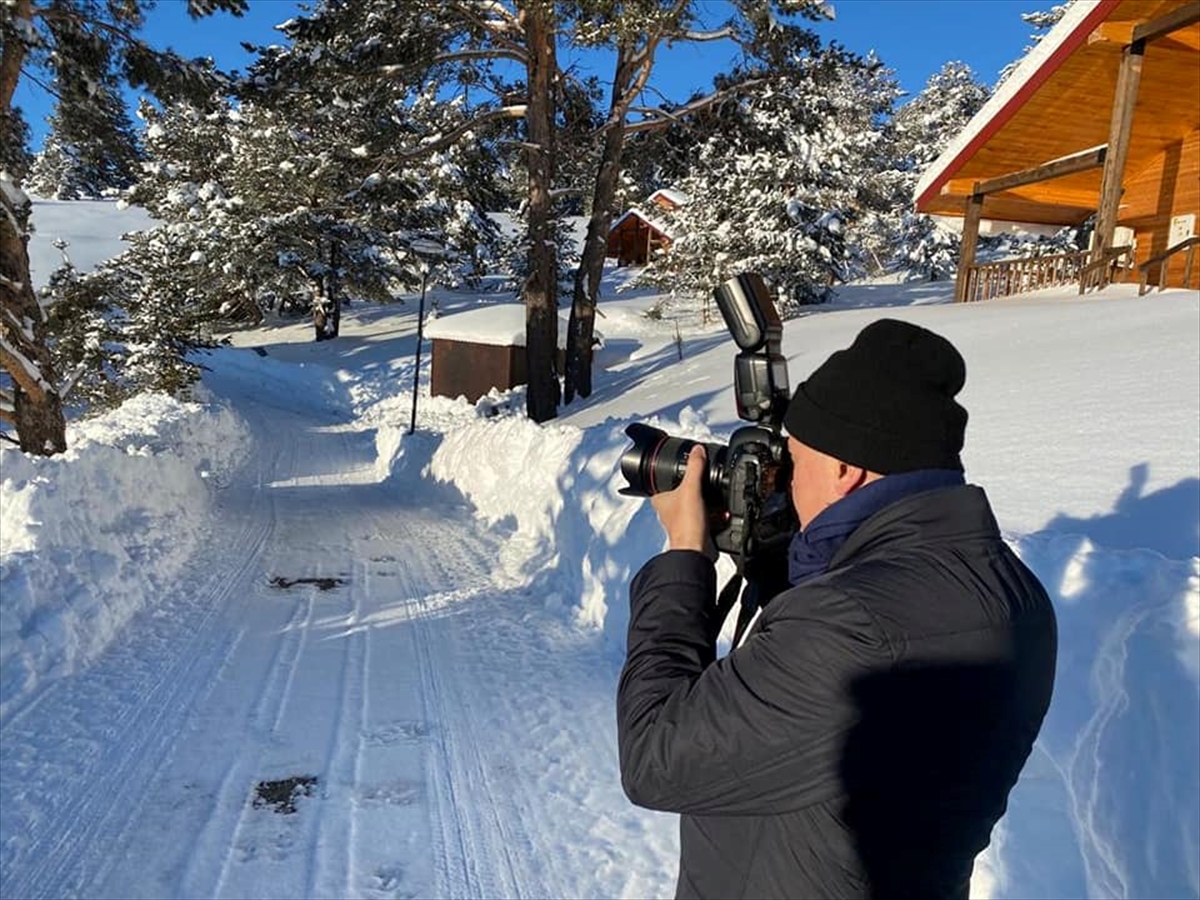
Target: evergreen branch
point(64, 13)
point(73, 379)
point(496, 28)
point(452, 136)
point(714, 35)
point(663, 117)
point(26, 73)
point(516, 55)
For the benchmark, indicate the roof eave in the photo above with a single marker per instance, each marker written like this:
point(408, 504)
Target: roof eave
point(992, 117)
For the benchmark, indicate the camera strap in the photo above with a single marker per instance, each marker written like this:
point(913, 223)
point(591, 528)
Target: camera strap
point(729, 596)
point(746, 613)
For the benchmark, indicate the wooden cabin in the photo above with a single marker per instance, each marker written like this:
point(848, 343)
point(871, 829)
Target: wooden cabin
point(667, 199)
point(635, 237)
point(1101, 118)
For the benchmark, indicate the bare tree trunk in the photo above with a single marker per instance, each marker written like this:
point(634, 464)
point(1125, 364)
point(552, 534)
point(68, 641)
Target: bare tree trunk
point(541, 285)
point(12, 56)
point(630, 76)
point(37, 408)
point(581, 330)
point(334, 325)
point(320, 307)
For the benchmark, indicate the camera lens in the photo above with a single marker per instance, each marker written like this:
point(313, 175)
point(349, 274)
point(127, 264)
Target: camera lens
point(656, 462)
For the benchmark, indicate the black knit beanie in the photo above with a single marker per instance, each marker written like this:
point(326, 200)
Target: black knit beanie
point(886, 403)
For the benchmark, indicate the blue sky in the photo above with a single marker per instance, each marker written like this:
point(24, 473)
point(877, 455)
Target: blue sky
point(912, 37)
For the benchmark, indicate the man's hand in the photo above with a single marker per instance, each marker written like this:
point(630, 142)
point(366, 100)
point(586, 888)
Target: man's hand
point(682, 511)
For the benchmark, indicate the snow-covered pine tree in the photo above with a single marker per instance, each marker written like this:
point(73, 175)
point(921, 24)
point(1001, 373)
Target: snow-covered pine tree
point(340, 203)
point(91, 149)
point(864, 106)
point(197, 255)
point(14, 144)
point(635, 30)
point(76, 42)
point(472, 45)
point(924, 127)
point(118, 331)
point(774, 187)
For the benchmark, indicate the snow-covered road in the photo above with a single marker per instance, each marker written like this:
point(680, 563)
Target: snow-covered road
point(440, 728)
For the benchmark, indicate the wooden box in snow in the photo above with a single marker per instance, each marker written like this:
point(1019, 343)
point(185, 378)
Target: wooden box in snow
point(481, 349)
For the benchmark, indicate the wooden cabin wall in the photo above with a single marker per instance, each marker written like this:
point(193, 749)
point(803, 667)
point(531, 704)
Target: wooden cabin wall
point(633, 240)
point(1169, 187)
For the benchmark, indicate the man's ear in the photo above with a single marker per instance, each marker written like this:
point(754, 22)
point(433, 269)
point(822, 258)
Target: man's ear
point(848, 478)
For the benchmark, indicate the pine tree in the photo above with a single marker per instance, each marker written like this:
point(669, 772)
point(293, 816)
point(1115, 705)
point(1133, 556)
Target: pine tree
point(80, 43)
point(339, 124)
point(395, 50)
point(864, 102)
point(120, 330)
point(15, 157)
point(296, 197)
point(776, 187)
point(924, 127)
point(91, 150)
point(635, 30)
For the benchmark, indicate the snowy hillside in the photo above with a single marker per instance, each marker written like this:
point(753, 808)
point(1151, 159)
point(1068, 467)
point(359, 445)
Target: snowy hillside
point(265, 643)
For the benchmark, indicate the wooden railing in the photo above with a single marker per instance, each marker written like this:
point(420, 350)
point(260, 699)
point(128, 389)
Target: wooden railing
point(1104, 271)
point(1187, 246)
point(1006, 277)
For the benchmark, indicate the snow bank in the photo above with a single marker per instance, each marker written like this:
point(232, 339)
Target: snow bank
point(555, 488)
point(1108, 798)
point(95, 534)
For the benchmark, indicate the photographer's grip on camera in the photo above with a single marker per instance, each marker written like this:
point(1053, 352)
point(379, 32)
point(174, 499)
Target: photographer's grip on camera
point(746, 483)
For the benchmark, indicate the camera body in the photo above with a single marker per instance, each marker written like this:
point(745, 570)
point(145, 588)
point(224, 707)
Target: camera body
point(747, 483)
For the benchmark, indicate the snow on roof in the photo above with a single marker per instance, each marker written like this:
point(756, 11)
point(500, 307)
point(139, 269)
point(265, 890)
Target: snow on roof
point(1078, 21)
point(679, 198)
point(497, 325)
point(654, 223)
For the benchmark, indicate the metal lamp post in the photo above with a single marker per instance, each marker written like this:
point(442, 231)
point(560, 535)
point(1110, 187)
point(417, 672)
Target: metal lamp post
point(427, 251)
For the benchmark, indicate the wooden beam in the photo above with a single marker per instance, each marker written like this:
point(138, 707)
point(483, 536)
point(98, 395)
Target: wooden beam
point(1068, 165)
point(1120, 129)
point(1188, 14)
point(966, 252)
point(1171, 47)
point(1118, 33)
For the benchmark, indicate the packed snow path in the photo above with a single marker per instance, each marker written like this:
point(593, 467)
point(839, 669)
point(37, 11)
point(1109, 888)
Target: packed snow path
point(389, 718)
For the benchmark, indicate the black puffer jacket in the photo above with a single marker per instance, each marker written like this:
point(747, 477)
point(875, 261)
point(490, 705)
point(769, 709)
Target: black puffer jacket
point(863, 739)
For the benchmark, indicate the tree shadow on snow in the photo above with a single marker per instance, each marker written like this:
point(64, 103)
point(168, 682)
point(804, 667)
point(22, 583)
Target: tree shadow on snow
point(1166, 520)
point(1109, 803)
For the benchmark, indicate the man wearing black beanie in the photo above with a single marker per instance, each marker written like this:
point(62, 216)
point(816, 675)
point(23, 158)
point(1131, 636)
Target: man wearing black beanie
point(863, 737)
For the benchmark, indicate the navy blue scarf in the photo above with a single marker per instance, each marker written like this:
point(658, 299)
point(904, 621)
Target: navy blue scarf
point(813, 548)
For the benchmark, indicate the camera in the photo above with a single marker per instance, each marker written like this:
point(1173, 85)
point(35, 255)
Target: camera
point(746, 485)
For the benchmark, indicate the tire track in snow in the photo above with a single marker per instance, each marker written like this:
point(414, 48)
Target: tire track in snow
point(218, 835)
point(331, 867)
point(478, 827)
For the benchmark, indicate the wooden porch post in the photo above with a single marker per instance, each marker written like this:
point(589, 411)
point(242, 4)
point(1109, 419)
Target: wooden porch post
point(1120, 128)
point(970, 239)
